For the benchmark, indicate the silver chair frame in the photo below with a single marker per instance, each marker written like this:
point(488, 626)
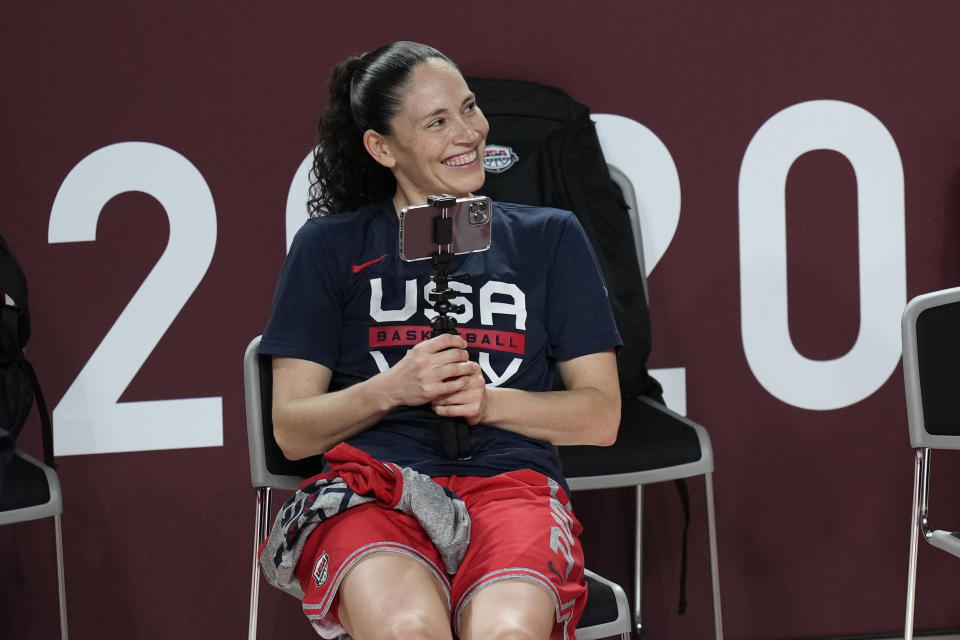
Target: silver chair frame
point(52, 508)
point(923, 443)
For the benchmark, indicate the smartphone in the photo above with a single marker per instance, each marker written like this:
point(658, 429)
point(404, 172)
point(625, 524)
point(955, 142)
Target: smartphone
point(471, 219)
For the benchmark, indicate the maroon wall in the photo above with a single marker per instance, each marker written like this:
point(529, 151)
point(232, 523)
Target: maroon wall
point(813, 504)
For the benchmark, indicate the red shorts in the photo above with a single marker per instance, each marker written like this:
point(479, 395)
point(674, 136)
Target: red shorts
point(522, 527)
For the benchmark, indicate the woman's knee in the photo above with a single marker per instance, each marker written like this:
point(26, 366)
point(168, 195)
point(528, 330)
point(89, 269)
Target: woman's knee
point(415, 625)
point(409, 624)
point(390, 596)
point(412, 622)
point(504, 628)
point(509, 610)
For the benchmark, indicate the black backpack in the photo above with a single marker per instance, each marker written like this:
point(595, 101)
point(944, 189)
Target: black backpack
point(18, 381)
point(543, 150)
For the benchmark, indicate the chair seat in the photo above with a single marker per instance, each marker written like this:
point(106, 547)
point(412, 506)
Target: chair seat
point(603, 604)
point(650, 437)
point(25, 485)
point(606, 612)
point(30, 490)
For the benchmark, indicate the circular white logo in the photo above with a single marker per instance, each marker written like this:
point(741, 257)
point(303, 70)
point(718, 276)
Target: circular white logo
point(498, 158)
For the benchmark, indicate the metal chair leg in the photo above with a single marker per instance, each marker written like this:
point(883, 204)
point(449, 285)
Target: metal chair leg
point(61, 581)
point(714, 555)
point(261, 527)
point(921, 475)
point(714, 563)
point(638, 564)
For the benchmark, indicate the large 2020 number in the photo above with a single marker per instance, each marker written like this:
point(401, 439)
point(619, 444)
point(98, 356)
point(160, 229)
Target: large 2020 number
point(89, 418)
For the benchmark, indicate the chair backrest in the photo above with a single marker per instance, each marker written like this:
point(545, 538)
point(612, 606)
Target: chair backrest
point(930, 329)
point(268, 466)
point(630, 198)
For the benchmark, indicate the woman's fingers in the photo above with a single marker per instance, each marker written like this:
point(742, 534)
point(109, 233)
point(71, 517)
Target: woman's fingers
point(468, 402)
point(432, 369)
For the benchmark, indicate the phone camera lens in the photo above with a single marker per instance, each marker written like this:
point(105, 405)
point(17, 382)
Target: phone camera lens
point(478, 212)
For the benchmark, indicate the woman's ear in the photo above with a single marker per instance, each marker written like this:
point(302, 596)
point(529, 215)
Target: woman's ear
point(379, 148)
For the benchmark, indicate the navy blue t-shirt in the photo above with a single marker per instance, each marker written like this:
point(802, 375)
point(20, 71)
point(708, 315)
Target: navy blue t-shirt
point(346, 300)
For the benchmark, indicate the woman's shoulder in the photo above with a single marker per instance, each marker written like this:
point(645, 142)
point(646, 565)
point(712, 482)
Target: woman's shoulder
point(335, 227)
point(534, 218)
point(333, 235)
point(360, 217)
point(528, 211)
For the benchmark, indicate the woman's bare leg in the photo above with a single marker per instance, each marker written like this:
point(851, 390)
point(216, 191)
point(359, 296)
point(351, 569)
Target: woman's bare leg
point(391, 596)
point(511, 609)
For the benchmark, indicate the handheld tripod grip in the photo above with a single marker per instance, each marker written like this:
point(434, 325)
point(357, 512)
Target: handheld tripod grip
point(454, 435)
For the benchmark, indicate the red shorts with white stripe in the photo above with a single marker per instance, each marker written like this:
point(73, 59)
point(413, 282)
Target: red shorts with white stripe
point(522, 527)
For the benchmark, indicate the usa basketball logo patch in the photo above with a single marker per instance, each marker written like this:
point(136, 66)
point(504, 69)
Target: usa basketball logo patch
point(498, 159)
point(321, 570)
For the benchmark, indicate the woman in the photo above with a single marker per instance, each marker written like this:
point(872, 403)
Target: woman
point(351, 364)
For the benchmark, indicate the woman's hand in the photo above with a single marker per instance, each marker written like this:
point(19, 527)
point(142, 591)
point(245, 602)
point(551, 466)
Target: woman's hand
point(470, 403)
point(587, 411)
point(432, 370)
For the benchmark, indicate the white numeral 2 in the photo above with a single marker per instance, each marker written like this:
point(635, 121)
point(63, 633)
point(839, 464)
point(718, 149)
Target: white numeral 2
point(89, 418)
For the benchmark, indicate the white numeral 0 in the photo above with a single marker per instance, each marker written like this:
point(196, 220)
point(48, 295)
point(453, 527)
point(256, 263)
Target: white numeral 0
point(89, 418)
point(866, 143)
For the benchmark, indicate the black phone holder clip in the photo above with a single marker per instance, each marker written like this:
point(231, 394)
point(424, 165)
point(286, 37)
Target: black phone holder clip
point(455, 441)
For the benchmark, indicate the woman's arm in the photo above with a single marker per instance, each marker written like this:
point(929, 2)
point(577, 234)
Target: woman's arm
point(307, 419)
point(586, 412)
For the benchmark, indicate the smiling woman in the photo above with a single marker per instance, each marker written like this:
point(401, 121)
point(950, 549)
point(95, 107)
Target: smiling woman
point(438, 137)
point(402, 125)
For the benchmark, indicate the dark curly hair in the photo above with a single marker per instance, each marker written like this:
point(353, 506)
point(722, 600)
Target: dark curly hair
point(366, 92)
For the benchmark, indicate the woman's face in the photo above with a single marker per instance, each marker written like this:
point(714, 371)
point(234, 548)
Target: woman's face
point(439, 136)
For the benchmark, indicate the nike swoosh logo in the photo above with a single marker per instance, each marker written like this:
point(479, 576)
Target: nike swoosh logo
point(357, 268)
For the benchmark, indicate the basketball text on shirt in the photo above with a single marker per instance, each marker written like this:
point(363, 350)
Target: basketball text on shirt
point(493, 298)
